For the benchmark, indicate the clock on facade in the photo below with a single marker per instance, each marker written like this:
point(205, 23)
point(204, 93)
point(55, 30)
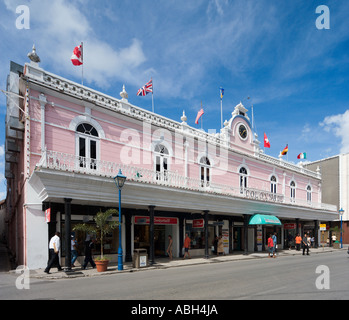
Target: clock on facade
point(242, 131)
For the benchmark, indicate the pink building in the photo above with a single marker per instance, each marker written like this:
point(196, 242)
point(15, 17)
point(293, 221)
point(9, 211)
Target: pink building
point(65, 142)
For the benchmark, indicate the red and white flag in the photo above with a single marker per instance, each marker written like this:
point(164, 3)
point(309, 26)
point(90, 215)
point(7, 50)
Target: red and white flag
point(200, 113)
point(48, 215)
point(77, 57)
point(266, 141)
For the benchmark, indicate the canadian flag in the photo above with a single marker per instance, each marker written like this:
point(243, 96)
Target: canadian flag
point(77, 57)
point(266, 141)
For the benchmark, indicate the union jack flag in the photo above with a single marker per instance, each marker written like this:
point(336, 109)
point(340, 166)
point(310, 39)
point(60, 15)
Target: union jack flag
point(147, 88)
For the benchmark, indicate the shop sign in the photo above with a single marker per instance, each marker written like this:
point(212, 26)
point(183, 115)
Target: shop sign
point(218, 223)
point(289, 226)
point(225, 238)
point(198, 223)
point(157, 220)
point(323, 227)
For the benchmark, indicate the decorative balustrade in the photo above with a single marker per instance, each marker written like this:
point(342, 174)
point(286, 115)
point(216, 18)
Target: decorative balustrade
point(71, 163)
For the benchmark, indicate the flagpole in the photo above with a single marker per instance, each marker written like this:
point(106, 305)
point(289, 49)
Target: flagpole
point(82, 66)
point(221, 113)
point(201, 117)
point(152, 95)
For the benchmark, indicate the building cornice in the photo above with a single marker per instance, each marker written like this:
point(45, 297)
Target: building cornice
point(36, 75)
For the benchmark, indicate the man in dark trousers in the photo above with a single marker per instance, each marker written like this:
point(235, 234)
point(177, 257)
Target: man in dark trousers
point(305, 244)
point(89, 245)
point(54, 247)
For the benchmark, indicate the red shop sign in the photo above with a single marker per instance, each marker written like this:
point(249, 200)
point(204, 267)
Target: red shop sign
point(157, 220)
point(198, 223)
point(289, 226)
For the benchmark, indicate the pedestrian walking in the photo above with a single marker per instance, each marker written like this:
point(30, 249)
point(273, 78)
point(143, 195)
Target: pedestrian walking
point(220, 248)
point(274, 237)
point(74, 250)
point(54, 247)
point(298, 242)
point(270, 246)
point(312, 240)
point(186, 246)
point(89, 245)
point(169, 248)
point(305, 244)
point(289, 239)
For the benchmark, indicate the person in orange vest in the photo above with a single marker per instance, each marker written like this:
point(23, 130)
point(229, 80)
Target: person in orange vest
point(270, 246)
point(298, 242)
point(186, 246)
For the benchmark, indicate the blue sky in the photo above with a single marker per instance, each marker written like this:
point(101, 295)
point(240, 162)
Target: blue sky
point(269, 50)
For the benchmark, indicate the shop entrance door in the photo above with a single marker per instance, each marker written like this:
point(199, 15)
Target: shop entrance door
point(159, 240)
point(237, 239)
point(161, 233)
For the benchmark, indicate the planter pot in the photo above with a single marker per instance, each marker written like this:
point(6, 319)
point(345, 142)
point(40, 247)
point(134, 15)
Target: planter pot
point(102, 265)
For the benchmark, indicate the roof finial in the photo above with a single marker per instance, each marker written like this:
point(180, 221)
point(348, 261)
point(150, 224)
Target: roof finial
point(33, 56)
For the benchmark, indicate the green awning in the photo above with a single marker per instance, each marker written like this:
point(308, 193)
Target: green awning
point(264, 220)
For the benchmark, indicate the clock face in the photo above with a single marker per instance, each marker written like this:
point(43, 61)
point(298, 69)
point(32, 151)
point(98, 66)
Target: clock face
point(243, 131)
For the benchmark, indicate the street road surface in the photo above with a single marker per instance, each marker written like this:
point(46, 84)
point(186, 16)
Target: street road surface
point(286, 277)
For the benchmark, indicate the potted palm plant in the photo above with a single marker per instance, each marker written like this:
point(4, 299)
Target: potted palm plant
point(103, 225)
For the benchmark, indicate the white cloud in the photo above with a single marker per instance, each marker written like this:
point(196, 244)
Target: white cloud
point(339, 125)
point(2, 151)
point(58, 26)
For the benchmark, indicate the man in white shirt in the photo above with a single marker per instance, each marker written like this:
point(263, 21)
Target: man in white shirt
point(54, 247)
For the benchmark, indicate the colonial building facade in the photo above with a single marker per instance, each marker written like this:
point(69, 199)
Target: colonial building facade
point(65, 142)
point(335, 190)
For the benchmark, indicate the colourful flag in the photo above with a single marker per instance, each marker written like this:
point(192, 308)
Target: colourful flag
point(266, 141)
point(222, 92)
point(48, 215)
point(283, 152)
point(77, 57)
point(200, 113)
point(302, 155)
point(147, 88)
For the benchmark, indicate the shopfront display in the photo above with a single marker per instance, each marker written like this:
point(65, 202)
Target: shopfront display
point(163, 227)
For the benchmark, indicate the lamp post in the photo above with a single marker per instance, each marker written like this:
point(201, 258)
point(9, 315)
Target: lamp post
point(341, 212)
point(120, 181)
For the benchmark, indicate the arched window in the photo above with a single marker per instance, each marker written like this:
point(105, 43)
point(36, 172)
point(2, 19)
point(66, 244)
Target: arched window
point(161, 162)
point(87, 145)
point(243, 179)
point(205, 166)
point(309, 194)
point(273, 184)
point(293, 191)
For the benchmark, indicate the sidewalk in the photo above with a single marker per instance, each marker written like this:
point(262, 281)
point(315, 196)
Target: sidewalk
point(5, 264)
point(164, 263)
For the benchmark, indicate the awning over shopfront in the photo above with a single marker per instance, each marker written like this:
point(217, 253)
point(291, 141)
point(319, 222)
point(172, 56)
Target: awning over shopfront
point(264, 220)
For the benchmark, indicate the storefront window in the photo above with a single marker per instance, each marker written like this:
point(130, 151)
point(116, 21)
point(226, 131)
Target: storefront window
point(197, 236)
point(111, 241)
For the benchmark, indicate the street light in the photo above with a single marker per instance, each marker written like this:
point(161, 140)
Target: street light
point(120, 181)
point(341, 212)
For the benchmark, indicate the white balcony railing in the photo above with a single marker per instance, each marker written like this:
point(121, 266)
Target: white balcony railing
point(71, 163)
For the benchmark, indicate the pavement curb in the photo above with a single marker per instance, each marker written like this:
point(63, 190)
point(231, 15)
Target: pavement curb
point(164, 263)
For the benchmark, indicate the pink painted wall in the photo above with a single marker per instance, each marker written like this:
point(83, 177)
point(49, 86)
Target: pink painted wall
point(130, 142)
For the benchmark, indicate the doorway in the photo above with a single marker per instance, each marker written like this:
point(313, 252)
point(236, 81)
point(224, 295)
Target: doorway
point(237, 239)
